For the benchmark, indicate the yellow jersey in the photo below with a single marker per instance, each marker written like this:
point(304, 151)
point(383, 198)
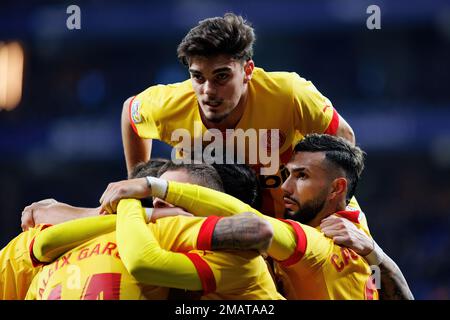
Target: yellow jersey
point(17, 268)
point(319, 269)
point(220, 275)
point(276, 100)
point(311, 265)
point(91, 271)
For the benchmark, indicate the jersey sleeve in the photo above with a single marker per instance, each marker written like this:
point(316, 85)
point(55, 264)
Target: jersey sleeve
point(179, 233)
point(52, 242)
point(314, 113)
point(17, 269)
point(312, 246)
point(144, 258)
point(141, 112)
point(204, 202)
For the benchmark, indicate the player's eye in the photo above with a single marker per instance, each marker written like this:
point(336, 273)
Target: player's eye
point(222, 76)
point(198, 77)
point(301, 175)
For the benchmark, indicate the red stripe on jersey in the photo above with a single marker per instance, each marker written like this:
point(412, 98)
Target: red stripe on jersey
point(204, 237)
point(353, 216)
point(334, 124)
point(204, 272)
point(129, 116)
point(301, 244)
point(34, 261)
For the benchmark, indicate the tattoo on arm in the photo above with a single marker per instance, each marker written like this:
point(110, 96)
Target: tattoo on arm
point(242, 232)
point(393, 283)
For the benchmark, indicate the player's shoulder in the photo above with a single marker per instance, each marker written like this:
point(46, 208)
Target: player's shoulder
point(278, 79)
point(159, 97)
point(165, 91)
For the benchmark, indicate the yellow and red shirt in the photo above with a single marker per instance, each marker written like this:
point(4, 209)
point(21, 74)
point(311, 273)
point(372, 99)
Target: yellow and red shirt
point(17, 269)
point(91, 271)
point(221, 275)
point(276, 100)
point(319, 269)
point(310, 264)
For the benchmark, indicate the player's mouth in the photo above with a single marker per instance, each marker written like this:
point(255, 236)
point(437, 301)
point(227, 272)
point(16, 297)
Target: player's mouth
point(212, 104)
point(290, 204)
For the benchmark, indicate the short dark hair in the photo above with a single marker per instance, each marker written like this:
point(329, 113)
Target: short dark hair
point(241, 182)
point(230, 34)
point(144, 169)
point(204, 174)
point(339, 152)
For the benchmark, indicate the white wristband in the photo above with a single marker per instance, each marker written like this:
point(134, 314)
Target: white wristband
point(148, 214)
point(158, 186)
point(375, 257)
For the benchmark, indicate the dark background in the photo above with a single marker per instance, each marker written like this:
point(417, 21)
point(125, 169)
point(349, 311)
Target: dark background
point(392, 85)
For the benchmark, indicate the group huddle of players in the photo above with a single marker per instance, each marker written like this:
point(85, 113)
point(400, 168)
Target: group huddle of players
point(214, 231)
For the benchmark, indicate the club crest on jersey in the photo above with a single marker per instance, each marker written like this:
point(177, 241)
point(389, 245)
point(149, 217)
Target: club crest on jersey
point(135, 112)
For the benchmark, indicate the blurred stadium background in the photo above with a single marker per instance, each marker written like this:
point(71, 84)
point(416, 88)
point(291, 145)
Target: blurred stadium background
point(61, 137)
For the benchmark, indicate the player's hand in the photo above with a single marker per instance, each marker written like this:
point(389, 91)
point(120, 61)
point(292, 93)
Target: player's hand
point(132, 188)
point(159, 213)
point(27, 219)
point(344, 232)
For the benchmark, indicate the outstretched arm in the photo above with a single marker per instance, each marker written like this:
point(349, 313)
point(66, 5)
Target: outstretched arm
point(56, 240)
point(343, 232)
point(200, 201)
point(50, 211)
point(143, 256)
point(244, 231)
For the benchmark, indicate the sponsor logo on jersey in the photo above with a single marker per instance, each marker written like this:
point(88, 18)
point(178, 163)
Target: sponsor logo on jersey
point(135, 112)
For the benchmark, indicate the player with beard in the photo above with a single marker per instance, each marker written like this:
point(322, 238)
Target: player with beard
point(324, 171)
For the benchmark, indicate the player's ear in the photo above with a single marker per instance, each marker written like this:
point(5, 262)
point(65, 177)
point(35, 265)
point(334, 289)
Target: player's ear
point(338, 188)
point(248, 70)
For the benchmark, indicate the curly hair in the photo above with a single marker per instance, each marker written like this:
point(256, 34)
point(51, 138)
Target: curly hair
point(230, 34)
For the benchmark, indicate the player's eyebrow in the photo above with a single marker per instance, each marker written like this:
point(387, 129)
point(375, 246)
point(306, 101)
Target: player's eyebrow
point(298, 169)
point(224, 69)
point(194, 71)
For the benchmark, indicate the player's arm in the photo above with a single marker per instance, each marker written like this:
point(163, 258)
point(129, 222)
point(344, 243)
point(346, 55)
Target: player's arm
point(343, 232)
point(135, 148)
point(345, 131)
point(143, 256)
point(244, 231)
point(53, 212)
point(200, 201)
point(56, 240)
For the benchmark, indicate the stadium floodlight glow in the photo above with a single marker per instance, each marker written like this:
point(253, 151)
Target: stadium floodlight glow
point(11, 74)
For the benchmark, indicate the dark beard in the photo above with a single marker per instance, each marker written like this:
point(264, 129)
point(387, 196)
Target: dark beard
point(307, 213)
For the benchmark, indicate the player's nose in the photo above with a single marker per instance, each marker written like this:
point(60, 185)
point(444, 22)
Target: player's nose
point(209, 89)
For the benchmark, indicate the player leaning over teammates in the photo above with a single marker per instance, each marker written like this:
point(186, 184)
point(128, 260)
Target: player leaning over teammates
point(227, 91)
point(144, 252)
point(324, 172)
